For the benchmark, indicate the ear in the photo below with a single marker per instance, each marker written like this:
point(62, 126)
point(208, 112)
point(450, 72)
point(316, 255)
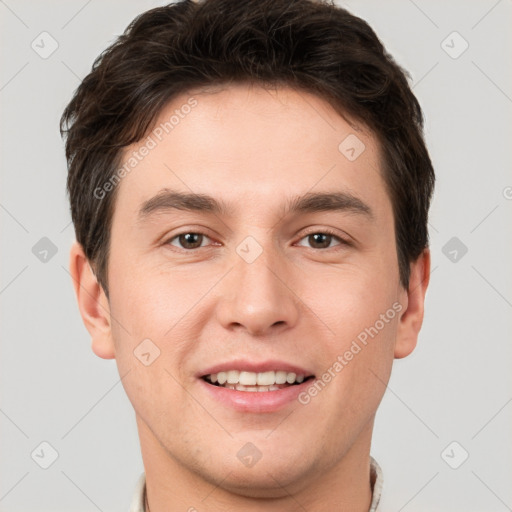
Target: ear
point(92, 302)
point(413, 300)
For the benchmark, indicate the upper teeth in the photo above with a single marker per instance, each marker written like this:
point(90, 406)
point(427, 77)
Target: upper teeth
point(253, 379)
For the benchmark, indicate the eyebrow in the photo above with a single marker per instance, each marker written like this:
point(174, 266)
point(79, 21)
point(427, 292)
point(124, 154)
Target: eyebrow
point(168, 200)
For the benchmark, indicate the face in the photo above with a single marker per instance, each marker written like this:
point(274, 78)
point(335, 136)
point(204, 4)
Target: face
point(295, 272)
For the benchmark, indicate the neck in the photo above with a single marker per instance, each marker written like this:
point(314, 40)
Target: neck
point(172, 487)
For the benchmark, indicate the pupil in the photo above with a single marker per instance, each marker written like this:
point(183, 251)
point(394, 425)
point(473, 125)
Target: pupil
point(317, 239)
point(188, 239)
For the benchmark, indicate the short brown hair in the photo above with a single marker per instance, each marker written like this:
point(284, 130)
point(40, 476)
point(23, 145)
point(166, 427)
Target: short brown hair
point(305, 44)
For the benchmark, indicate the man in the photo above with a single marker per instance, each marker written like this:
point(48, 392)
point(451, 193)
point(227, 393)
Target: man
point(250, 189)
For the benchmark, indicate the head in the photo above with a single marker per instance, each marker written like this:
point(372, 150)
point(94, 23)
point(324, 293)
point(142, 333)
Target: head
point(286, 138)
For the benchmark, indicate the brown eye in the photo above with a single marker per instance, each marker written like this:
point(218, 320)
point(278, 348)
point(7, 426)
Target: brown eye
point(320, 240)
point(188, 240)
point(323, 239)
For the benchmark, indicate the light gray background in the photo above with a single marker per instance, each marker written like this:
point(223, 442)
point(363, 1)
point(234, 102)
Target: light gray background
point(456, 386)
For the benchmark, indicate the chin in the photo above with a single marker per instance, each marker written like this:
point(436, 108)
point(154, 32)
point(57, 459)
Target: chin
point(265, 477)
point(264, 482)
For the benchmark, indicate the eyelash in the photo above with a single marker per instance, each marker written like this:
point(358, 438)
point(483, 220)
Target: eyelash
point(342, 241)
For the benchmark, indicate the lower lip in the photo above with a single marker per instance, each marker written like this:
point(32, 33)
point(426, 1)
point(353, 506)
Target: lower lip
point(256, 401)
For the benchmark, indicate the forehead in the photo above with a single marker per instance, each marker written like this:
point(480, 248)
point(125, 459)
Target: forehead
point(248, 146)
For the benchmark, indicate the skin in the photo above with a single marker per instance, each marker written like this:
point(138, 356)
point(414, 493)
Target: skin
point(298, 302)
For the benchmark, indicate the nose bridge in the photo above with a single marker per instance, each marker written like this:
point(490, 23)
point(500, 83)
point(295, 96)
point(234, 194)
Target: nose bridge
point(259, 297)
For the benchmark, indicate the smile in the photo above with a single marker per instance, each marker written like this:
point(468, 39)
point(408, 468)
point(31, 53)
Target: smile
point(255, 381)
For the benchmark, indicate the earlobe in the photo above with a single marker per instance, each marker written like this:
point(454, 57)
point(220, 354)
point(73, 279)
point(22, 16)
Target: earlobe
point(92, 303)
point(411, 319)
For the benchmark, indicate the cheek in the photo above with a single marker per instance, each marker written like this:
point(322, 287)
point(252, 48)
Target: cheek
point(150, 301)
point(362, 316)
point(148, 336)
point(156, 312)
point(349, 301)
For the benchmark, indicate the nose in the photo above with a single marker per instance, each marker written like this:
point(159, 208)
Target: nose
point(258, 296)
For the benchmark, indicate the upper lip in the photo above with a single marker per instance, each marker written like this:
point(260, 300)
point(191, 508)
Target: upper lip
point(256, 367)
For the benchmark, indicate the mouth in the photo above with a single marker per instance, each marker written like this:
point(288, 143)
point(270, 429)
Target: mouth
point(273, 380)
point(249, 386)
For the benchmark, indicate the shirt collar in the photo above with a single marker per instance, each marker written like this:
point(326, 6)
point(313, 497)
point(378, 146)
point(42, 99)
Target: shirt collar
point(376, 482)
